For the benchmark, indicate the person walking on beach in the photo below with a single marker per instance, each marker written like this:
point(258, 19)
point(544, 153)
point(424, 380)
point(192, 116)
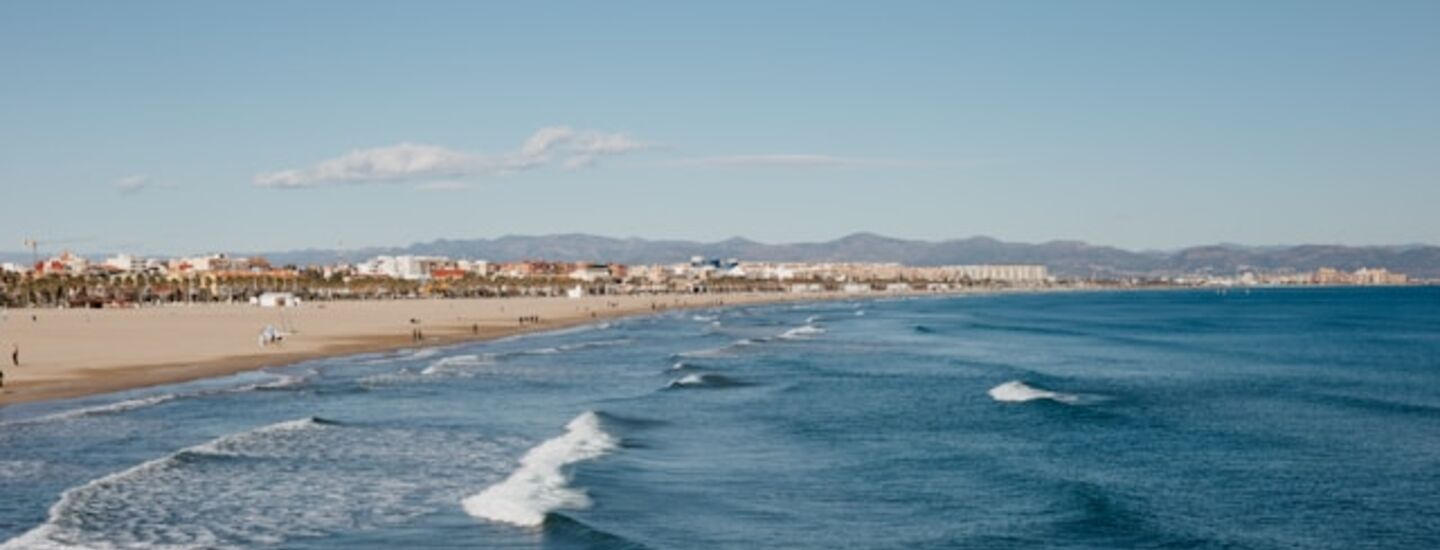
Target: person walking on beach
point(15, 355)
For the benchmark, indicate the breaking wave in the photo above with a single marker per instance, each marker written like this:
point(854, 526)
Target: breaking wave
point(723, 350)
point(1016, 391)
point(423, 353)
point(280, 381)
point(109, 408)
point(551, 350)
point(804, 331)
point(542, 482)
point(457, 364)
point(262, 487)
point(698, 380)
point(68, 525)
point(595, 344)
point(683, 366)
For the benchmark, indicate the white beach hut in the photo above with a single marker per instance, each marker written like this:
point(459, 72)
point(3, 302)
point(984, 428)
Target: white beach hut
point(276, 299)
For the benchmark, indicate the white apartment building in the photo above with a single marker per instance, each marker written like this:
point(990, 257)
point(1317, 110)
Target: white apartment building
point(478, 267)
point(410, 268)
point(124, 263)
point(1007, 273)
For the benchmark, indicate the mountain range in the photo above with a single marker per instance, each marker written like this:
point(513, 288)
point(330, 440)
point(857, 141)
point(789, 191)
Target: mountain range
point(1066, 258)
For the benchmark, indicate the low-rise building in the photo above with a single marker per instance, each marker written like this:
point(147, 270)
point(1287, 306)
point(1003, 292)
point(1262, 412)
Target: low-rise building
point(276, 299)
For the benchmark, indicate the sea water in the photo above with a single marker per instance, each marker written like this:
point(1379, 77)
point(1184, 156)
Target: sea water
point(1288, 418)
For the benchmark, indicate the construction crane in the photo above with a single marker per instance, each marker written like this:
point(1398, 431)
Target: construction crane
point(34, 246)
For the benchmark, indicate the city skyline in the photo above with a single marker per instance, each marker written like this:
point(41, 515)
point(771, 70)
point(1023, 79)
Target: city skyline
point(172, 128)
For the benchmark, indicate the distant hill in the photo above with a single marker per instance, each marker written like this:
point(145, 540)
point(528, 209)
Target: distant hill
point(1072, 258)
point(1069, 258)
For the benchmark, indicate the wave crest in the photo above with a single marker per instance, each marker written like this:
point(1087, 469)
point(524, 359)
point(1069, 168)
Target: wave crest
point(800, 332)
point(68, 524)
point(542, 482)
point(279, 382)
point(453, 365)
point(1016, 391)
point(698, 380)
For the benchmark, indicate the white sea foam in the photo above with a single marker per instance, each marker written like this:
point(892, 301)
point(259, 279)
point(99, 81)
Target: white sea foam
point(265, 486)
point(704, 381)
point(1016, 391)
point(558, 332)
point(700, 353)
point(704, 318)
point(405, 375)
point(424, 353)
point(452, 365)
point(595, 344)
point(66, 526)
point(109, 408)
point(804, 331)
point(720, 351)
point(563, 348)
point(280, 381)
point(689, 380)
point(542, 482)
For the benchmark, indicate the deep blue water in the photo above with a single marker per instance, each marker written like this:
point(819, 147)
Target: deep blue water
point(1270, 419)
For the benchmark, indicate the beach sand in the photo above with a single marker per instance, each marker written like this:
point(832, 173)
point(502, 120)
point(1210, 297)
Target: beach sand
point(71, 353)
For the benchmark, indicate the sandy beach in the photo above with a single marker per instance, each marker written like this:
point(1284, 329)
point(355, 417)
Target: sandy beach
point(76, 352)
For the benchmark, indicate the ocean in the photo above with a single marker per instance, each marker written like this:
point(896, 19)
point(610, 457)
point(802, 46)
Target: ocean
point(1284, 418)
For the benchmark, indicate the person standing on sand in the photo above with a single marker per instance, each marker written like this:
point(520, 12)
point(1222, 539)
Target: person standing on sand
point(15, 355)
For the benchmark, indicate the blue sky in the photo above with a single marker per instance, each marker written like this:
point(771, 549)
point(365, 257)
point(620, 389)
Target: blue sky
point(160, 127)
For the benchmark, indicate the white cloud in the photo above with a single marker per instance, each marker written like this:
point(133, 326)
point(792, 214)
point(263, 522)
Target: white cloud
point(410, 162)
point(402, 162)
point(444, 186)
point(577, 162)
point(544, 139)
point(596, 143)
point(780, 160)
point(131, 185)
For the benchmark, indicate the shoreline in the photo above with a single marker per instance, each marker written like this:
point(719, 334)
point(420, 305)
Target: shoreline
point(220, 339)
point(129, 359)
